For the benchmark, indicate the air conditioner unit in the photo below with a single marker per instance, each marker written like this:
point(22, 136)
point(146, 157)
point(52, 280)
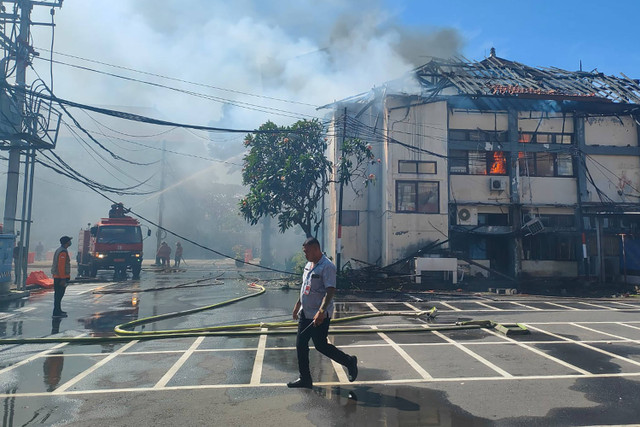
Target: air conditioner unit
point(533, 226)
point(498, 183)
point(467, 216)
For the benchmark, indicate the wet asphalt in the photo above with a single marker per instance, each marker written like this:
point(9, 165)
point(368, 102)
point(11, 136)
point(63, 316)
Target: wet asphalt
point(580, 365)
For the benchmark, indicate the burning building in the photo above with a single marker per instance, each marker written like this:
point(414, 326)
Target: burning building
point(525, 171)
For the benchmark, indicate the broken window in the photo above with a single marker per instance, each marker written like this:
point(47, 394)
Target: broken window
point(417, 196)
point(477, 162)
point(550, 247)
point(545, 164)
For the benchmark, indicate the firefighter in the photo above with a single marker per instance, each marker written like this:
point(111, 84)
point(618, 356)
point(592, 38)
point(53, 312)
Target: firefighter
point(178, 255)
point(164, 254)
point(61, 272)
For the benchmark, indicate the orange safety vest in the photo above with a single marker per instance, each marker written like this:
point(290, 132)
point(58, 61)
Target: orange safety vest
point(61, 268)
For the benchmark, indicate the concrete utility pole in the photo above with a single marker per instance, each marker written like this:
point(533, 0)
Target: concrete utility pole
point(13, 174)
point(20, 123)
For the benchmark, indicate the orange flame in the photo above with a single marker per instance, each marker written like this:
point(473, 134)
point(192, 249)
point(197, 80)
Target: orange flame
point(499, 165)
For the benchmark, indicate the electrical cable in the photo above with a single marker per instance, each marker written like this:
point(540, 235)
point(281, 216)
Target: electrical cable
point(177, 79)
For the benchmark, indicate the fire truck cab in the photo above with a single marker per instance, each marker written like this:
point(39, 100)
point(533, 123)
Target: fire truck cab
point(113, 243)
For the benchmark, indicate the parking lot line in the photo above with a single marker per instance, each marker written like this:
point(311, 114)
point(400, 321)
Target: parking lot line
point(540, 353)
point(415, 365)
point(412, 307)
point(636, 306)
point(566, 307)
point(627, 325)
point(372, 307)
point(599, 306)
point(35, 356)
point(83, 374)
point(488, 306)
point(601, 332)
point(449, 306)
point(474, 355)
point(590, 347)
point(172, 371)
point(256, 373)
point(526, 306)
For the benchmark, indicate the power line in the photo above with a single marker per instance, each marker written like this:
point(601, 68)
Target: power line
point(176, 79)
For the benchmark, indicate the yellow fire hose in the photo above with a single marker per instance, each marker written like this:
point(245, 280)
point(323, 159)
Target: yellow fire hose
point(124, 333)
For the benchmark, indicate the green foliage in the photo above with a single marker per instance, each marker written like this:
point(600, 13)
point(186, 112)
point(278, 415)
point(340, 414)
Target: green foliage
point(296, 263)
point(286, 172)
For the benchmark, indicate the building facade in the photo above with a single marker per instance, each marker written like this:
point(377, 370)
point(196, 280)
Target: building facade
point(525, 171)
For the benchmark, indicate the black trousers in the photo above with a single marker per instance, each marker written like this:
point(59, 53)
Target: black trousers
point(319, 336)
point(58, 293)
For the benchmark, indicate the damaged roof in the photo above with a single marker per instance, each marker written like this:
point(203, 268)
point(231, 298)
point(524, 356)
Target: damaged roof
point(499, 76)
point(496, 76)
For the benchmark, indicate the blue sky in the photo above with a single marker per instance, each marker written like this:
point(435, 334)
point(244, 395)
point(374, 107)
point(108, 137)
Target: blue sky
point(560, 33)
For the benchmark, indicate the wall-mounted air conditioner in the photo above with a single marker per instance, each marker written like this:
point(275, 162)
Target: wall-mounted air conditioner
point(467, 216)
point(498, 183)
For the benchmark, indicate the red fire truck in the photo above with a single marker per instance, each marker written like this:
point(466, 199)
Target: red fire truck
point(113, 243)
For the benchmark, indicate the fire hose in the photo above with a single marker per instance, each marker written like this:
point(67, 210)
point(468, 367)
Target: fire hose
point(125, 332)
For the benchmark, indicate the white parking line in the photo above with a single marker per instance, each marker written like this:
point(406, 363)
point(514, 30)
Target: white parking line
point(35, 356)
point(25, 309)
point(590, 347)
point(526, 306)
point(627, 325)
point(181, 361)
point(372, 307)
point(540, 353)
point(5, 315)
point(562, 306)
point(488, 306)
point(82, 375)
point(474, 355)
point(412, 307)
point(599, 306)
point(256, 374)
point(636, 306)
point(415, 365)
point(600, 332)
point(449, 306)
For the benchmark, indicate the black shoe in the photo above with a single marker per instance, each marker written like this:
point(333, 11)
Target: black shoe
point(300, 383)
point(353, 369)
point(61, 314)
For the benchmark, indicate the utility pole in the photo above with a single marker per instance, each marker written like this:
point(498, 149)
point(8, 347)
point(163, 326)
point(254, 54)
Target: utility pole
point(160, 234)
point(23, 127)
point(340, 196)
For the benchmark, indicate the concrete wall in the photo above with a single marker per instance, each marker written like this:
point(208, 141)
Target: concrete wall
point(615, 176)
point(422, 126)
point(550, 268)
point(548, 190)
point(529, 121)
point(611, 131)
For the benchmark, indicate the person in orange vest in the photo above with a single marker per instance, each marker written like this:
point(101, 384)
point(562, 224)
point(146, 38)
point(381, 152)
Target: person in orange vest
point(61, 271)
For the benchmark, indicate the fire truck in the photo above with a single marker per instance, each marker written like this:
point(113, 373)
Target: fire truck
point(113, 243)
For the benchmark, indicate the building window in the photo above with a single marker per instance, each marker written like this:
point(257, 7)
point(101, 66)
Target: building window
point(350, 218)
point(545, 164)
point(417, 196)
point(478, 135)
point(477, 162)
point(545, 137)
point(550, 247)
point(410, 166)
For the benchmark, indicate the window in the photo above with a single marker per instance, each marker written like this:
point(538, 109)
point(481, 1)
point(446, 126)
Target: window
point(477, 162)
point(545, 137)
point(119, 234)
point(350, 218)
point(409, 166)
point(478, 135)
point(549, 246)
point(417, 196)
point(545, 164)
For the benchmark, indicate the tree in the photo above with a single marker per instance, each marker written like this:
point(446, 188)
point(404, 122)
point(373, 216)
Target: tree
point(288, 172)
